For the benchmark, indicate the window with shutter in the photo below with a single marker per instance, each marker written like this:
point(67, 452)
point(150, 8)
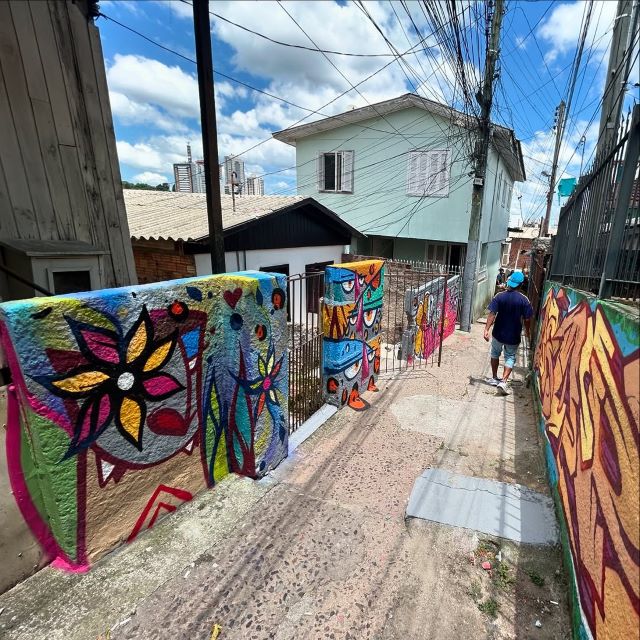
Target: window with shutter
point(428, 173)
point(335, 172)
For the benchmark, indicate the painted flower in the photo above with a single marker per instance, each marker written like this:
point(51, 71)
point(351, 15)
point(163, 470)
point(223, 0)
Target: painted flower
point(264, 385)
point(122, 374)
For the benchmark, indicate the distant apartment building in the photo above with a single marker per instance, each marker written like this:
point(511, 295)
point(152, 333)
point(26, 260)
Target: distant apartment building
point(255, 186)
point(189, 175)
point(234, 174)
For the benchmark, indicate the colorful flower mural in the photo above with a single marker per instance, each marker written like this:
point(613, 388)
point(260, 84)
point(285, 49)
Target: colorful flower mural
point(351, 327)
point(127, 402)
point(588, 378)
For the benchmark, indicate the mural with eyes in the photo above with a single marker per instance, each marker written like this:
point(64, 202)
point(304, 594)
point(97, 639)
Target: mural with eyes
point(351, 326)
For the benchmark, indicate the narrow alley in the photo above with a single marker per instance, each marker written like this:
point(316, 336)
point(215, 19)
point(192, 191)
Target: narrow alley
point(321, 548)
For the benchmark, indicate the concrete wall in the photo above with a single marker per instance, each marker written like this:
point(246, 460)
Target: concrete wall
point(352, 320)
point(127, 402)
point(587, 366)
point(487, 279)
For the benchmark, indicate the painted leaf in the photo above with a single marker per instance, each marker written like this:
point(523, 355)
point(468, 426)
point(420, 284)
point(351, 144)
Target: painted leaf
point(160, 355)
point(168, 422)
point(100, 345)
point(139, 336)
point(130, 419)
point(81, 383)
point(161, 386)
point(194, 293)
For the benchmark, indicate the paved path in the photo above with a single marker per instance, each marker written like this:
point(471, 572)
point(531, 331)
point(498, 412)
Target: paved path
point(321, 549)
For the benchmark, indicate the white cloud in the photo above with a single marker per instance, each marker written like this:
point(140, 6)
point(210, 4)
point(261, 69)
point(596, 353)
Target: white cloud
point(148, 177)
point(562, 28)
point(130, 112)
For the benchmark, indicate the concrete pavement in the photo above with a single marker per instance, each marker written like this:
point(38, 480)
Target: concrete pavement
point(321, 548)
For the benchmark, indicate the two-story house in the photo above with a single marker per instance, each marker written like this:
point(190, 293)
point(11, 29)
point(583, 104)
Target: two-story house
point(400, 171)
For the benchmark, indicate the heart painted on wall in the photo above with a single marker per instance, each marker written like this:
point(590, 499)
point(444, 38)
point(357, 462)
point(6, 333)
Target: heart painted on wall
point(232, 297)
point(168, 422)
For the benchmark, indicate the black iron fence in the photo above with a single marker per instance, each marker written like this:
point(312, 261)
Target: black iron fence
point(597, 247)
point(305, 294)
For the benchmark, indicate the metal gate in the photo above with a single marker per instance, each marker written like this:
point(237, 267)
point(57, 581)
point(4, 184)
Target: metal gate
point(420, 310)
point(305, 295)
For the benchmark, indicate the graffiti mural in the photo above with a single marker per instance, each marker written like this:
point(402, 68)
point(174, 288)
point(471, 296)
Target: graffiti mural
point(127, 402)
point(351, 328)
point(588, 376)
point(423, 307)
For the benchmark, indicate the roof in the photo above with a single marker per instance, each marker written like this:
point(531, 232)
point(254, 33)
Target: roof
point(162, 215)
point(504, 139)
point(527, 233)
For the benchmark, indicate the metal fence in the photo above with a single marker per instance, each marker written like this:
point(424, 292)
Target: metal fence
point(420, 308)
point(305, 294)
point(597, 245)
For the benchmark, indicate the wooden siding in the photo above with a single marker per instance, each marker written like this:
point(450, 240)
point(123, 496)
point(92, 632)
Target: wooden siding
point(59, 173)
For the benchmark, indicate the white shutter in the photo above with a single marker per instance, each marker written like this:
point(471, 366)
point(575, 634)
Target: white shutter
point(441, 184)
point(347, 171)
point(412, 173)
point(320, 172)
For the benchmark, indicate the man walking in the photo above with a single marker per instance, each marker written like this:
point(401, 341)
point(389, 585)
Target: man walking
point(507, 311)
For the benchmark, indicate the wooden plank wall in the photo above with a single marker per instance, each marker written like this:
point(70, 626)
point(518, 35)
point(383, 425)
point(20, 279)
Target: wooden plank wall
point(59, 173)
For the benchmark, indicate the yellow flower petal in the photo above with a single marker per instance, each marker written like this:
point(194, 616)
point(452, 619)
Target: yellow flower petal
point(272, 396)
point(131, 418)
point(271, 362)
point(261, 367)
point(138, 342)
point(82, 382)
point(158, 356)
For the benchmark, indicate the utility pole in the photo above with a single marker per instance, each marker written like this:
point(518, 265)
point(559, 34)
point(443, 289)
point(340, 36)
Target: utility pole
point(204, 59)
point(469, 281)
point(619, 61)
point(544, 227)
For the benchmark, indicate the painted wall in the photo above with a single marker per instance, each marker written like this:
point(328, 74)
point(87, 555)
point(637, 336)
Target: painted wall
point(424, 308)
point(587, 365)
point(379, 204)
point(351, 326)
point(129, 401)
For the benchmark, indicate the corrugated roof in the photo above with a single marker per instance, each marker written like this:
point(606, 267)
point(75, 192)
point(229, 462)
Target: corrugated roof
point(163, 215)
point(503, 138)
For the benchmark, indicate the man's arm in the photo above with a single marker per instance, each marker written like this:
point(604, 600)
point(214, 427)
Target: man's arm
point(490, 320)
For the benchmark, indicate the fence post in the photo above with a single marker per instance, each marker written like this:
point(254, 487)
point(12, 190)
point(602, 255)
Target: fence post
point(442, 319)
point(616, 232)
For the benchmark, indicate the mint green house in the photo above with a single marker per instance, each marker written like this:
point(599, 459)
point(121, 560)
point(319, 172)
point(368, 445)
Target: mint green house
point(400, 171)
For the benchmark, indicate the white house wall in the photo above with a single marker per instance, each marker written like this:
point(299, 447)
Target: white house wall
point(297, 258)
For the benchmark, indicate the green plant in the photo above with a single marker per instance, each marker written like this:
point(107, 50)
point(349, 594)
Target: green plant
point(489, 607)
point(475, 590)
point(535, 577)
point(503, 577)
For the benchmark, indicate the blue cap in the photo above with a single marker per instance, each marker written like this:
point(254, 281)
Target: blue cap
point(515, 279)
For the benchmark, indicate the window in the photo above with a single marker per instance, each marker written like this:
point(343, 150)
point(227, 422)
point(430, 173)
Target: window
point(335, 172)
point(71, 281)
point(482, 271)
point(428, 173)
point(506, 250)
point(509, 196)
point(69, 275)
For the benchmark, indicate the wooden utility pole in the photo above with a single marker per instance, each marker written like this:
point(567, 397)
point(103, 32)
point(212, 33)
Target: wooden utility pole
point(544, 227)
point(469, 281)
point(622, 42)
point(204, 59)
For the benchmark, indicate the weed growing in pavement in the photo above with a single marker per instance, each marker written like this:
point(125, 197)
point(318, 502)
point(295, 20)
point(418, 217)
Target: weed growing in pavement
point(535, 577)
point(475, 590)
point(503, 577)
point(490, 607)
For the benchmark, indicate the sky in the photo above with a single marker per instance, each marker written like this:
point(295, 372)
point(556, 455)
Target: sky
point(154, 91)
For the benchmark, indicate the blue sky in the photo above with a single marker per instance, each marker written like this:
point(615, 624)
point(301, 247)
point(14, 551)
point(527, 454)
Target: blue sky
point(154, 93)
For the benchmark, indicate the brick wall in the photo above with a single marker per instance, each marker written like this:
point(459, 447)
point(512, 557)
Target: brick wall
point(161, 260)
point(517, 259)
